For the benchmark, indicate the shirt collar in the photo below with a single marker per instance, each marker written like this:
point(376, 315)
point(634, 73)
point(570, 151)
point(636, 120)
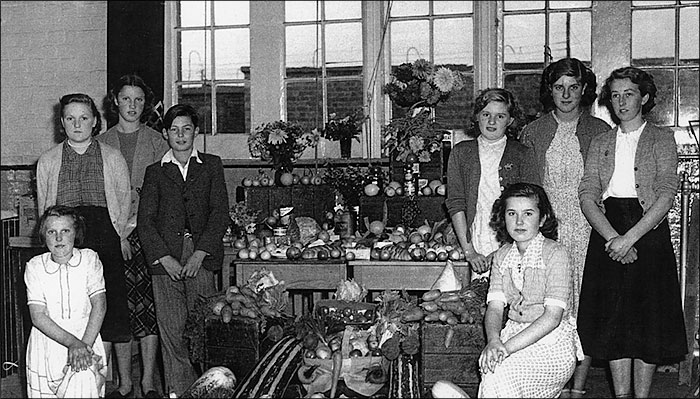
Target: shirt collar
point(169, 157)
point(637, 132)
point(52, 267)
point(491, 144)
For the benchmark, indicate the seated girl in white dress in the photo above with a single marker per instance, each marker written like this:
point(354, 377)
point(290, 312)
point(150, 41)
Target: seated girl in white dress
point(535, 353)
point(66, 298)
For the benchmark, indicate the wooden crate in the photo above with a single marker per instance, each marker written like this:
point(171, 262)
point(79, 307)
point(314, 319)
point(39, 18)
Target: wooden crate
point(432, 208)
point(307, 200)
point(459, 363)
point(235, 345)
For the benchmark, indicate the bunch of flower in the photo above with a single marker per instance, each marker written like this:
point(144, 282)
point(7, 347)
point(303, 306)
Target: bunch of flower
point(348, 181)
point(420, 135)
point(348, 127)
point(422, 82)
point(242, 216)
point(281, 143)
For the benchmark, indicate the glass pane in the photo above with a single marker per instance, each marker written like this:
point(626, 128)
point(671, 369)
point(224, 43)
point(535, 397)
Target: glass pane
point(194, 13)
point(408, 8)
point(343, 45)
point(574, 41)
point(653, 37)
point(198, 96)
point(305, 104)
point(688, 104)
point(689, 44)
point(231, 12)
point(232, 48)
point(301, 50)
point(344, 97)
point(232, 108)
point(452, 7)
point(295, 11)
point(523, 41)
point(454, 41)
point(409, 41)
point(637, 3)
point(569, 4)
point(662, 113)
point(523, 5)
point(195, 56)
point(525, 88)
point(343, 9)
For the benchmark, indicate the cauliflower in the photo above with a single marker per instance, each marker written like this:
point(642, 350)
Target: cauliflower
point(349, 290)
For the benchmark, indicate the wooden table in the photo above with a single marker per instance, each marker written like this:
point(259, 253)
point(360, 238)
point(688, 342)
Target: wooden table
point(396, 275)
point(309, 280)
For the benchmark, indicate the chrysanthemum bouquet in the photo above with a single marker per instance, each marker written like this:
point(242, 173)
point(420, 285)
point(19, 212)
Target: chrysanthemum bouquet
point(422, 83)
point(281, 143)
point(420, 135)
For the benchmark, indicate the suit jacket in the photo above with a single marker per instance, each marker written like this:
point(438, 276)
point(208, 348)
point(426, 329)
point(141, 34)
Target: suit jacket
point(464, 172)
point(655, 166)
point(169, 203)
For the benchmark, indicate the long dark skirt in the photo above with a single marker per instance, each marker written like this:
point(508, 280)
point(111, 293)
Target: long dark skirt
point(101, 237)
point(139, 286)
point(632, 311)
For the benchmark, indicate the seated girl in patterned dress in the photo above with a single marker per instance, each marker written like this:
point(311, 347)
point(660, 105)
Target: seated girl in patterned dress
point(535, 353)
point(66, 297)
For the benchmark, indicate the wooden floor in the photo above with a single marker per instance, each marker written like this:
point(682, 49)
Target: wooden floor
point(665, 385)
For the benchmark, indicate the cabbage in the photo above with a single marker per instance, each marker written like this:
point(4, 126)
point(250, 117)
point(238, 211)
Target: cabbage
point(349, 290)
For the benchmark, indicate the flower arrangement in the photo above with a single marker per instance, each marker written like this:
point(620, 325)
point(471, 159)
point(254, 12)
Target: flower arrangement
point(348, 127)
point(421, 82)
point(280, 143)
point(348, 181)
point(420, 135)
point(242, 217)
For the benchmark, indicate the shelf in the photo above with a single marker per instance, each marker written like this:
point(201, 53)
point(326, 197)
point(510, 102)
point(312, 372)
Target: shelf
point(305, 163)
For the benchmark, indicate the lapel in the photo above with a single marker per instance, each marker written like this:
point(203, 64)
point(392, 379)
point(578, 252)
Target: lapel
point(195, 170)
point(172, 172)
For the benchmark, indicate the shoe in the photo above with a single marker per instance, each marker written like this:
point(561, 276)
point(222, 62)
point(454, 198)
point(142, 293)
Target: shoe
point(152, 395)
point(117, 394)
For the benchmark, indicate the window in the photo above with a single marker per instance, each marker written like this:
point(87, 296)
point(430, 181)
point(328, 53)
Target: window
point(674, 64)
point(323, 60)
point(440, 32)
point(214, 63)
point(535, 33)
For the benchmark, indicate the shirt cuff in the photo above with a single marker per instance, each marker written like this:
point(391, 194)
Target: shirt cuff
point(497, 296)
point(555, 302)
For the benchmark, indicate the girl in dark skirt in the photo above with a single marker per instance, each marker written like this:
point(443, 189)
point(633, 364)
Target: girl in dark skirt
point(630, 309)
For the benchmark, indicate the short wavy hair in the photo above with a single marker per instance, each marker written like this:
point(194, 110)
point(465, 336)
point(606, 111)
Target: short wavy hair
point(527, 190)
point(567, 67)
point(82, 99)
point(136, 81)
point(62, 210)
point(644, 80)
point(490, 95)
point(180, 110)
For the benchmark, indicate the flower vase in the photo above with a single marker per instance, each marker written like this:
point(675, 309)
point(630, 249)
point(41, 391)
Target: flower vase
point(345, 147)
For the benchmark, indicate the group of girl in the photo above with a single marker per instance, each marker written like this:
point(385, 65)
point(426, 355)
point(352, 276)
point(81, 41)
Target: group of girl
point(85, 301)
point(569, 219)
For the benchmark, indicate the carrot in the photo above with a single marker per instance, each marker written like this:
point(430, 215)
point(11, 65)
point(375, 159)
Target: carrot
point(448, 337)
point(337, 365)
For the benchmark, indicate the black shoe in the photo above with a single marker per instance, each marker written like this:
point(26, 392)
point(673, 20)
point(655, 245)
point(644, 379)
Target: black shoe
point(117, 394)
point(152, 395)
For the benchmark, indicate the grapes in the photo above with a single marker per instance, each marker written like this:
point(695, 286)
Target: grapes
point(410, 211)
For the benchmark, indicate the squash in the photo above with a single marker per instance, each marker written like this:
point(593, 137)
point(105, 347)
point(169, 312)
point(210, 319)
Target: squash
point(403, 377)
point(447, 389)
point(273, 372)
point(217, 382)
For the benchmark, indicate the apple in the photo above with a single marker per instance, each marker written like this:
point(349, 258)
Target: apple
point(293, 252)
point(286, 179)
point(441, 189)
point(247, 182)
point(305, 180)
point(384, 254)
point(442, 256)
point(349, 255)
point(399, 191)
point(430, 256)
point(316, 181)
point(389, 191)
point(426, 191)
point(418, 254)
point(295, 178)
point(256, 182)
point(335, 253)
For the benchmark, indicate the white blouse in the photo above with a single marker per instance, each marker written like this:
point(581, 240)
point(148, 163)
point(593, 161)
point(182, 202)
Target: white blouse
point(622, 182)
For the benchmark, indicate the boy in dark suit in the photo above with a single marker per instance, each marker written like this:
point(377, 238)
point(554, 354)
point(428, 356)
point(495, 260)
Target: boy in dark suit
point(182, 218)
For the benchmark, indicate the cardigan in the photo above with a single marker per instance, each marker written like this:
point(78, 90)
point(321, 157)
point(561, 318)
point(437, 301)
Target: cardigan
point(116, 180)
point(550, 285)
point(169, 205)
point(655, 166)
point(464, 172)
point(539, 134)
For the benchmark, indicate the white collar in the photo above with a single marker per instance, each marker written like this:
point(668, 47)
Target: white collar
point(169, 157)
point(532, 257)
point(634, 133)
point(52, 267)
point(490, 144)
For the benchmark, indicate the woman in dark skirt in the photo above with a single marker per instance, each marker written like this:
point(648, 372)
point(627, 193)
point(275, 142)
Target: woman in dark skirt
point(630, 307)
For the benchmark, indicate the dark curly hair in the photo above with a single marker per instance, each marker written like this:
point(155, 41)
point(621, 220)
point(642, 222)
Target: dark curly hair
point(62, 210)
point(567, 67)
point(641, 78)
point(82, 99)
point(136, 81)
point(490, 95)
point(528, 190)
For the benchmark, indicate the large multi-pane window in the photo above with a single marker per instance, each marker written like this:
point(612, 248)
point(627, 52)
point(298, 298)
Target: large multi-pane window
point(323, 60)
point(440, 32)
point(665, 43)
point(535, 33)
point(214, 63)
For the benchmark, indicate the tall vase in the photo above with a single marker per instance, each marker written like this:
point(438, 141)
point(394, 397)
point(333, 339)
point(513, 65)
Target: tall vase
point(345, 147)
